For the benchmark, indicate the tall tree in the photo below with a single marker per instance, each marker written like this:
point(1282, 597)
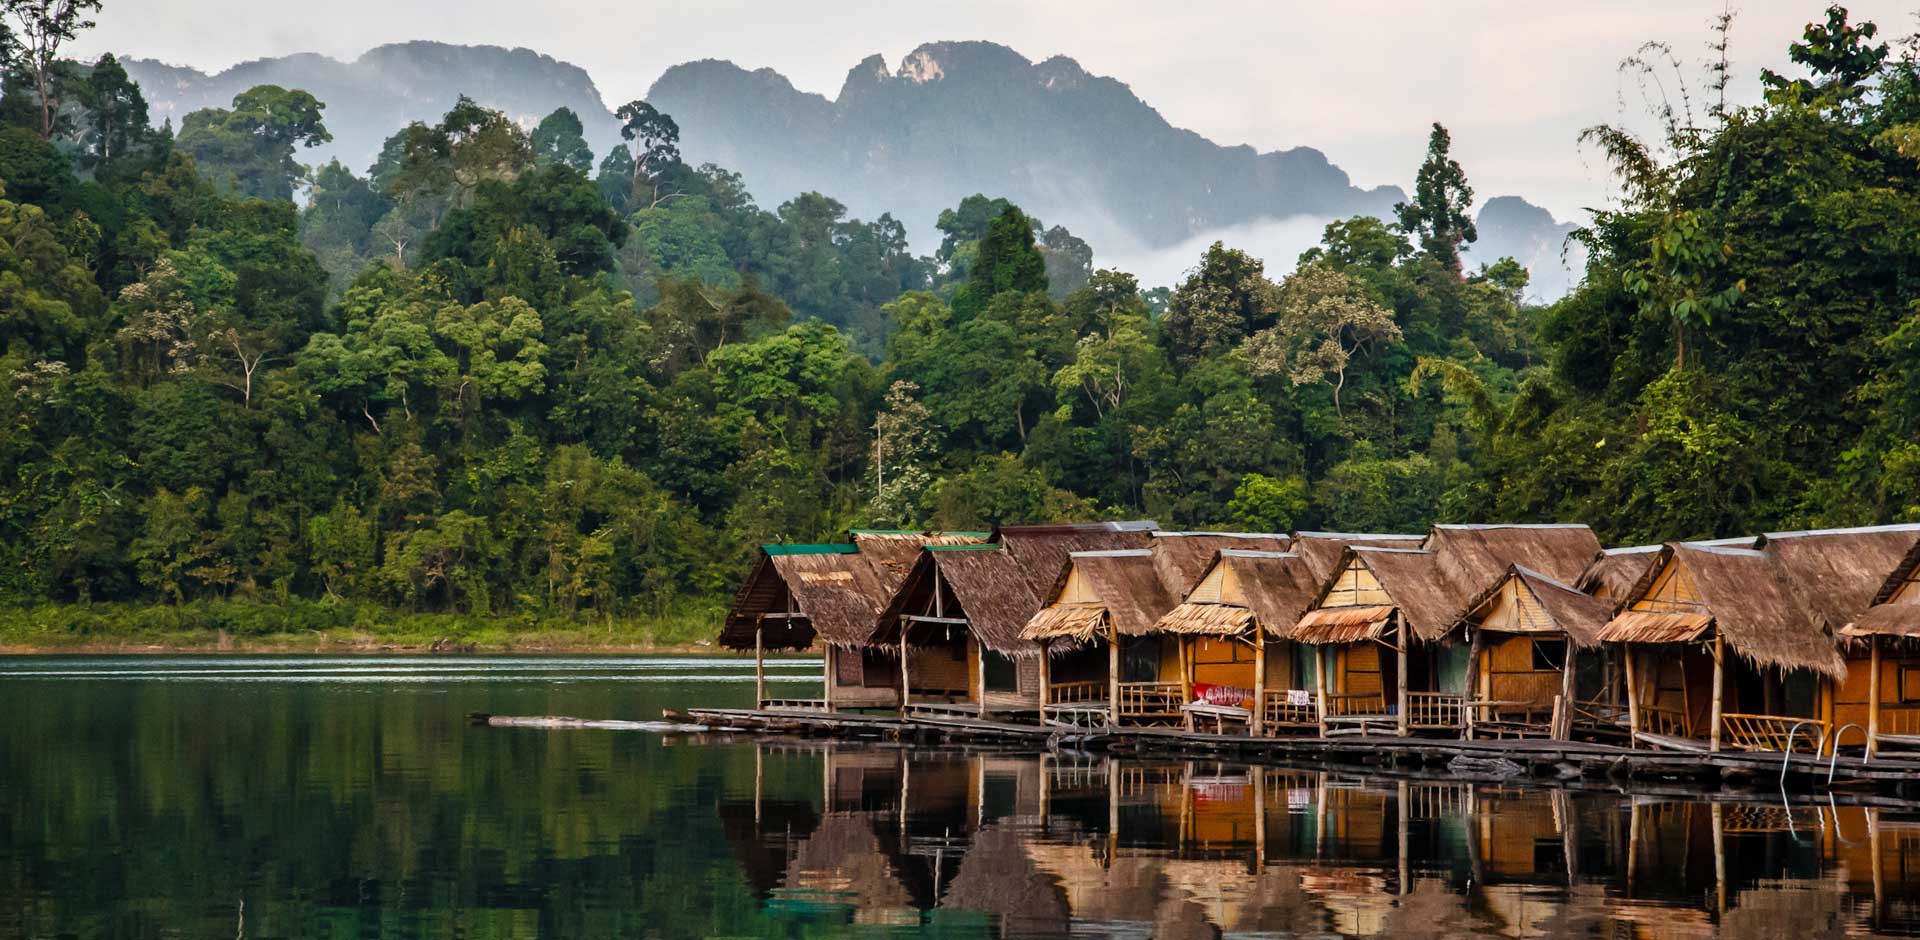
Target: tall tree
point(251, 146)
point(560, 138)
point(1437, 216)
point(657, 139)
point(116, 112)
point(45, 26)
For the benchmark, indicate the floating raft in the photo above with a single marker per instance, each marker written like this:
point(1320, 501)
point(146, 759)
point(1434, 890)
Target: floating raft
point(1538, 757)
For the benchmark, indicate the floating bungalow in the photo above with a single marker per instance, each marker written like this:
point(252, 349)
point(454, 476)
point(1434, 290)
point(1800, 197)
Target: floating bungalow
point(1101, 660)
point(1234, 620)
point(958, 614)
point(1881, 691)
point(1406, 601)
point(1524, 635)
point(830, 594)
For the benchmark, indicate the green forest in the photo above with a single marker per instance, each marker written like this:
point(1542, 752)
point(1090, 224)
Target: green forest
point(498, 386)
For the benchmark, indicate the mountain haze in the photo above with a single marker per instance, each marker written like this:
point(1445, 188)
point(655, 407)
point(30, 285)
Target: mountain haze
point(952, 119)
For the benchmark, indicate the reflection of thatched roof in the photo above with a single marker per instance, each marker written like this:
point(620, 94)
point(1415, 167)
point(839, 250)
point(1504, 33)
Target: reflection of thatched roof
point(832, 585)
point(1126, 890)
point(843, 858)
point(1837, 573)
point(1614, 572)
point(989, 585)
point(997, 877)
point(1183, 557)
point(1803, 912)
point(893, 552)
point(1433, 911)
point(1746, 596)
point(1545, 606)
point(1276, 588)
point(1322, 550)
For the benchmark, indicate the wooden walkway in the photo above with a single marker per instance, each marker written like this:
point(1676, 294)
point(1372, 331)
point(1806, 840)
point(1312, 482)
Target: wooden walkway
point(1539, 757)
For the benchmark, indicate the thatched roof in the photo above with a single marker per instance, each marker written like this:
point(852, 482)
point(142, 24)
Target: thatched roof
point(989, 586)
point(1342, 624)
point(1042, 550)
point(1838, 573)
point(1132, 597)
point(1184, 557)
point(1429, 601)
point(1747, 597)
point(831, 584)
point(1615, 571)
point(892, 552)
point(1277, 588)
point(1579, 616)
point(997, 876)
point(1892, 613)
point(1475, 555)
point(1322, 549)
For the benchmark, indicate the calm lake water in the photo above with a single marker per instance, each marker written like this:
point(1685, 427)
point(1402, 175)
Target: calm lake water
point(349, 797)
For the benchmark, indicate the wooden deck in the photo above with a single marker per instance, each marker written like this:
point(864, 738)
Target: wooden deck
point(1538, 757)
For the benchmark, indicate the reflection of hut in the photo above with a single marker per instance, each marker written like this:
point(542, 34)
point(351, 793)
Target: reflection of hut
point(843, 862)
point(831, 593)
point(1407, 601)
point(997, 877)
point(960, 609)
point(1881, 690)
point(1526, 631)
point(1234, 621)
point(1775, 601)
point(1102, 656)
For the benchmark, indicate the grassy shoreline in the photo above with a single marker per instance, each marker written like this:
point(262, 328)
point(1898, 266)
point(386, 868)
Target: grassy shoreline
point(339, 627)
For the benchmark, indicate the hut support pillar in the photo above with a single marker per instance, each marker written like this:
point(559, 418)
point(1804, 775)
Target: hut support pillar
point(1046, 681)
point(1873, 697)
point(1633, 696)
point(1113, 674)
point(904, 686)
point(1258, 724)
point(1719, 696)
point(980, 678)
point(1476, 685)
point(1402, 657)
point(759, 665)
point(1563, 716)
point(1184, 646)
point(1320, 683)
point(826, 678)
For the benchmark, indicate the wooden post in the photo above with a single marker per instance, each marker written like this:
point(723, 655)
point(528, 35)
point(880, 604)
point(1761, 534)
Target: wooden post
point(1258, 725)
point(1633, 827)
point(1476, 684)
point(1404, 721)
point(1113, 809)
point(1719, 688)
point(1046, 789)
point(1259, 818)
point(1320, 683)
point(1046, 681)
point(1873, 696)
point(980, 687)
point(1719, 858)
point(1878, 867)
point(1633, 697)
point(1113, 673)
point(1406, 863)
point(759, 666)
point(1184, 646)
point(1563, 726)
point(826, 689)
point(904, 686)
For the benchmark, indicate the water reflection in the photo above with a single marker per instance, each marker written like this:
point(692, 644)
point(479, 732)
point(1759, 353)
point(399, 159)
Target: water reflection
point(1056, 846)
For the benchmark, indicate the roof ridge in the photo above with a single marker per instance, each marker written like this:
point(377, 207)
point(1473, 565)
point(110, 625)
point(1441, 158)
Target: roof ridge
point(1358, 535)
point(1113, 553)
point(811, 548)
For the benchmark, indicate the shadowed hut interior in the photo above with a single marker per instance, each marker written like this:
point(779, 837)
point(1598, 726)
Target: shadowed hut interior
point(1526, 633)
point(1881, 690)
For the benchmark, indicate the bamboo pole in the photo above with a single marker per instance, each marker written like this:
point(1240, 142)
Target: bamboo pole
point(1259, 721)
point(980, 677)
point(1403, 658)
point(1719, 859)
point(1563, 716)
point(1476, 683)
point(1633, 697)
point(1719, 690)
point(1405, 840)
point(1113, 673)
point(1877, 867)
point(1633, 829)
point(1320, 683)
point(759, 665)
point(826, 689)
point(1046, 681)
point(904, 685)
point(1259, 818)
point(1184, 647)
point(1320, 816)
point(1873, 697)
point(1113, 809)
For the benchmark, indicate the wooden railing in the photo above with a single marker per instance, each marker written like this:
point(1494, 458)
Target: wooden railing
point(1076, 693)
point(1355, 703)
point(1608, 715)
point(794, 704)
point(1436, 709)
point(1280, 712)
point(1150, 699)
point(1770, 732)
point(1900, 719)
point(1668, 721)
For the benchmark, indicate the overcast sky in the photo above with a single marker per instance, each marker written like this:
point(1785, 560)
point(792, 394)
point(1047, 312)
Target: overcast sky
point(1514, 80)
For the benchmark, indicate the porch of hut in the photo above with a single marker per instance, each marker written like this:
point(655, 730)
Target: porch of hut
point(1234, 622)
point(1720, 653)
point(800, 595)
point(1526, 634)
point(956, 621)
point(1379, 627)
point(1108, 602)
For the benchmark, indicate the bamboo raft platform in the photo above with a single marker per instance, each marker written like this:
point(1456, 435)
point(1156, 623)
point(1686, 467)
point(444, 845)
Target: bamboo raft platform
point(1537, 757)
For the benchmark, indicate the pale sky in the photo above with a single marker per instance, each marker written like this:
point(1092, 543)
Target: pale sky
point(1514, 80)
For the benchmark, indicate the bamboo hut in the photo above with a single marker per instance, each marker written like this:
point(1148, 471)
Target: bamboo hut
point(1109, 602)
point(959, 611)
point(1696, 602)
point(1235, 619)
point(1407, 601)
point(1881, 690)
point(1184, 557)
point(1524, 634)
point(830, 593)
point(1613, 573)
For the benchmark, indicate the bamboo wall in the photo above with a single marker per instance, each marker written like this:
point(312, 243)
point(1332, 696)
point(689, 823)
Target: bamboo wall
point(1507, 673)
point(1851, 694)
point(860, 680)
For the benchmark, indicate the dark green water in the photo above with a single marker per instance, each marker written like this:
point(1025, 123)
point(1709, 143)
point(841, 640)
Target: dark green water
point(310, 797)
